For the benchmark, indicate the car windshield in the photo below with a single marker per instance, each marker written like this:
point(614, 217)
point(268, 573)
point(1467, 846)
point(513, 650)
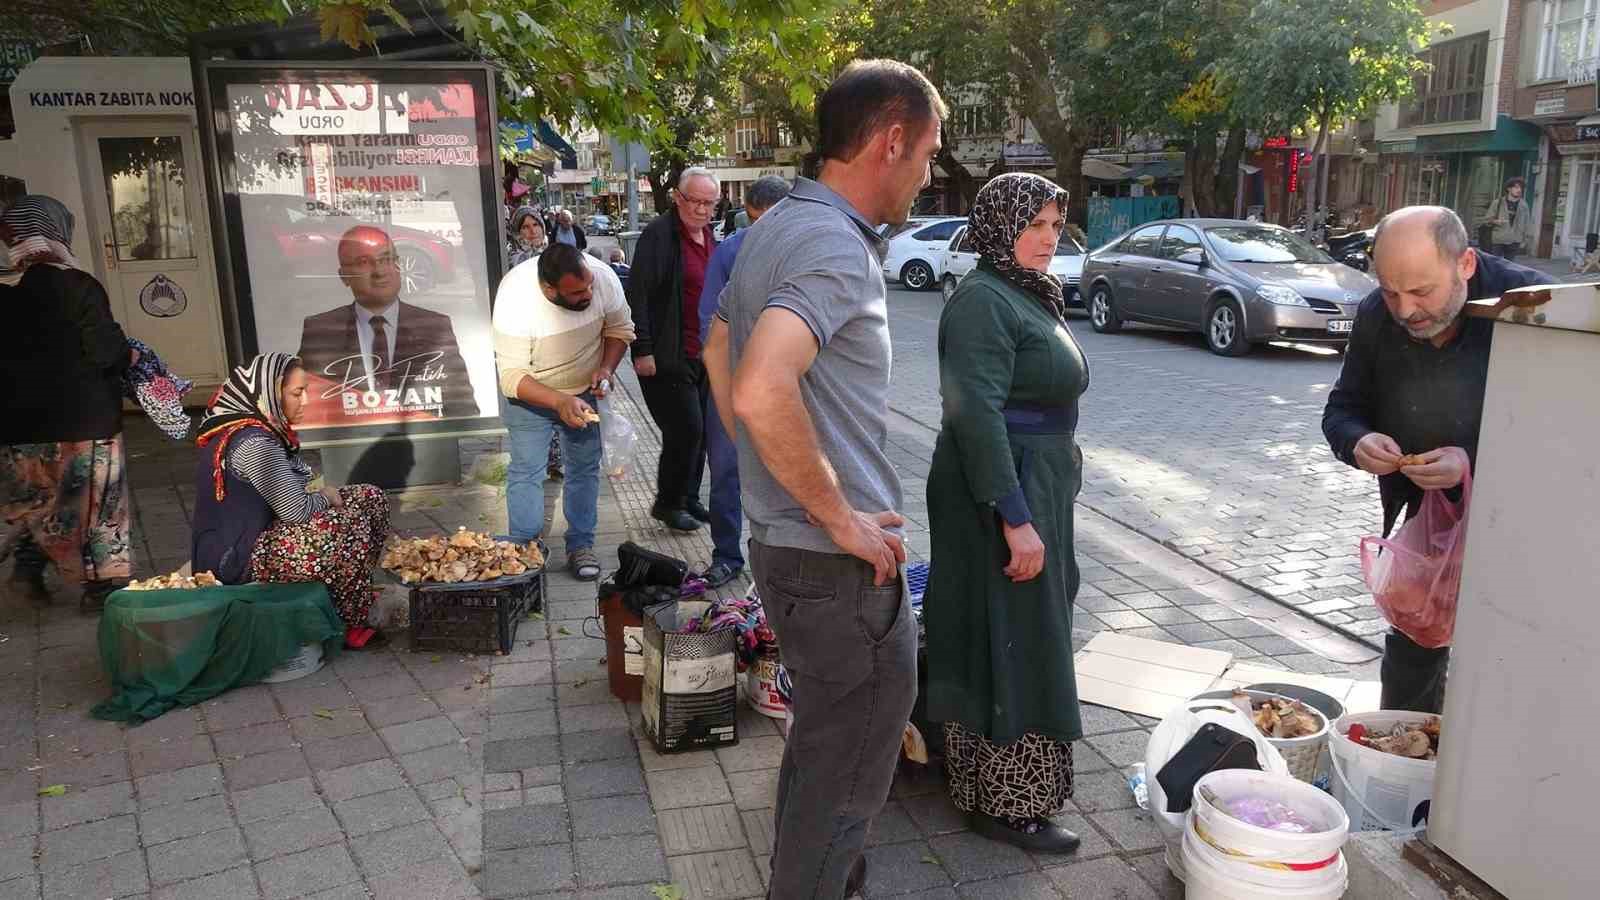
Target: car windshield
point(1068, 247)
point(1264, 245)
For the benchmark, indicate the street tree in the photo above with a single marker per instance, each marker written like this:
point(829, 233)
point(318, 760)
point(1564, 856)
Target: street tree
point(1320, 62)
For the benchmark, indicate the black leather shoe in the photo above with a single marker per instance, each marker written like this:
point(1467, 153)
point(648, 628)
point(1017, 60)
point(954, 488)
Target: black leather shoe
point(720, 574)
point(857, 879)
point(676, 519)
point(1040, 835)
point(698, 510)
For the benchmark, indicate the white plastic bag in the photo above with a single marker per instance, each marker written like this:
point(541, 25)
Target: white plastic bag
point(619, 442)
point(1169, 737)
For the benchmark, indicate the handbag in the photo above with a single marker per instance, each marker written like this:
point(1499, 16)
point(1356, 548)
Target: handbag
point(1213, 747)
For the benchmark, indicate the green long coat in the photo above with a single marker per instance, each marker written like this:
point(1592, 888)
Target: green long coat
point(999, 653)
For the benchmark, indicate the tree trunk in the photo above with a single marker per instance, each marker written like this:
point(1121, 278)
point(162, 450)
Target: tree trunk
point(660, 186)
point(1227, 193)
point(1200, 171)
point(1319, 190)
point(956, 171)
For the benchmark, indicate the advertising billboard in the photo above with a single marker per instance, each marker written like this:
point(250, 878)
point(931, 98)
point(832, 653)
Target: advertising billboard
point(361, 211)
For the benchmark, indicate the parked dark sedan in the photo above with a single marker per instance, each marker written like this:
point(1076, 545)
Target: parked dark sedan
point(1238, 283)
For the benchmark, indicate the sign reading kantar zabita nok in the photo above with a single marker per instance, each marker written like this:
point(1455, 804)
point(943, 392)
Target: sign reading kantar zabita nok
point(360, 208)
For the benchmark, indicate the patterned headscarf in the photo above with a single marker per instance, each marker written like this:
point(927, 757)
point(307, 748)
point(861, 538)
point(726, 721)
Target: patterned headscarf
point(41, 231)
point(1000, 214)
point(248, 398)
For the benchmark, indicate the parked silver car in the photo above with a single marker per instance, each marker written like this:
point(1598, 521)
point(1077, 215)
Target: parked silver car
point(1238, 283)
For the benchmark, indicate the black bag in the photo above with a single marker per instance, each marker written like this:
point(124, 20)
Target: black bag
point(639, 567)
point(1212, 747)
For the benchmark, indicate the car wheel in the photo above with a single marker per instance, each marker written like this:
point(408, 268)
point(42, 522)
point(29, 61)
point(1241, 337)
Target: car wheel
point(417, 275)
point(948, 286)
point(1225, 330)
point(917, 275)
point(1103, 312)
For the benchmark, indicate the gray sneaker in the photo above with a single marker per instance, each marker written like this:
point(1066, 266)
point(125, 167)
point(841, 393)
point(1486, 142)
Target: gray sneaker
point(584, 564)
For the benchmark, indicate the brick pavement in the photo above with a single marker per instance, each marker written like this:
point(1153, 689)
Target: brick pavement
point(413, 775)
point(1233, 474)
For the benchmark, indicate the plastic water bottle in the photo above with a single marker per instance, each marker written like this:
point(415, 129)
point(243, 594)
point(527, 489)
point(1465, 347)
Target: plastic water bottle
point(1141, 793)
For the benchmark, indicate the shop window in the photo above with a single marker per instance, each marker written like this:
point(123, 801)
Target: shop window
point(147, 194)
point(1450, 88)
point(1567, 39)
point(977, 120)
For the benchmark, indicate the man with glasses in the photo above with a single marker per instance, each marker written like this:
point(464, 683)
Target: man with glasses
point(669, 271)
point(385, 356)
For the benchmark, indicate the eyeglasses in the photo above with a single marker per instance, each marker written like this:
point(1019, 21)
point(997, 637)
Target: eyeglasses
point(364, 264)
point(697, 204)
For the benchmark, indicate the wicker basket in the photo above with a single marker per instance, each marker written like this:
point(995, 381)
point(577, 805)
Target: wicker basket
point(1303, 754)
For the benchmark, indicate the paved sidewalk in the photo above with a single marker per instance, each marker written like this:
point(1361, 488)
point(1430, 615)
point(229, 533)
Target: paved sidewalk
point(394, 774)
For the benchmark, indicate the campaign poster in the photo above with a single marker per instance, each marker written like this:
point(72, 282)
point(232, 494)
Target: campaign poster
point(361, 211)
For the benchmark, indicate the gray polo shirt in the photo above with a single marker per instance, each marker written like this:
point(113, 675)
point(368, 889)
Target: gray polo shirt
point(815, 256)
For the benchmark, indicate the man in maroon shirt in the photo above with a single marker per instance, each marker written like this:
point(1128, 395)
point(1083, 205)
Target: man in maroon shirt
point(669, 270)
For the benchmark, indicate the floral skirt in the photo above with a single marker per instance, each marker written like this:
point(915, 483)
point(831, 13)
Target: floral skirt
point(70, 501)
point(1029, 778)
point(337, 547)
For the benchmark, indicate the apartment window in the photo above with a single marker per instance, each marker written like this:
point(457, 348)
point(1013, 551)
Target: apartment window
point(1450, 88)
point(1567, 42)
point(744, 136)
point(973, 121)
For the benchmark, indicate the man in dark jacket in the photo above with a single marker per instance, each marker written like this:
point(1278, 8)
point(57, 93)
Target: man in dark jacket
point(1412, 386)
point(669, 271)
point(569, 232)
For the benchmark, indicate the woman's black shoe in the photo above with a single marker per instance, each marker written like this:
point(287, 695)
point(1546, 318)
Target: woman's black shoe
point(1038, 835)
point(676, 519)
point(698, 510)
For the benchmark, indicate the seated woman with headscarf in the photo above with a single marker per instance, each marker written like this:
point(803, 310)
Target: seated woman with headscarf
point(63, 488)
point(255, 517)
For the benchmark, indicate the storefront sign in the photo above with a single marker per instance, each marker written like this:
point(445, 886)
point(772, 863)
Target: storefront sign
point(113, 99)
point(360, 222)
point(1294, 173)
point(1275, 143)
point(13, 56)
point(1588, 132)
point(1399, 148)
point(1552, 104)
point(1027, 154)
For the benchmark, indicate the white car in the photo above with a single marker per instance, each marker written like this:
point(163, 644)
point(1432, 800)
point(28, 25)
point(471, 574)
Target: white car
point(916, 255)
point(960, 258)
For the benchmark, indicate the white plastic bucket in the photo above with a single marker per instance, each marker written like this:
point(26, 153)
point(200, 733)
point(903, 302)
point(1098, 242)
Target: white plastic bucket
point(761, 687)
point(307, 661)
point(1380, 791)
point(1228, 859)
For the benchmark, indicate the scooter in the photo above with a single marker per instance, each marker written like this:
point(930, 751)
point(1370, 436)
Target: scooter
point(1353, 248)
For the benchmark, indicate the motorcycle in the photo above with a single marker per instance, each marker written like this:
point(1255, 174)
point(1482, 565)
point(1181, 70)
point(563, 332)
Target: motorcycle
point(1353, 248)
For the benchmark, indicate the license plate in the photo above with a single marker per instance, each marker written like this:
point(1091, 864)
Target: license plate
point(1340, 326)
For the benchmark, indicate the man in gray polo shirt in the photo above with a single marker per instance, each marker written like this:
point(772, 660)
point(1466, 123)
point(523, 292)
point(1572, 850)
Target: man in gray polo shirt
point(800, 356)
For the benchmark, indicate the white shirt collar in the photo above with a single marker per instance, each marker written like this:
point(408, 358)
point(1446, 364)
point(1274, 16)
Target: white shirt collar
point(390, 313)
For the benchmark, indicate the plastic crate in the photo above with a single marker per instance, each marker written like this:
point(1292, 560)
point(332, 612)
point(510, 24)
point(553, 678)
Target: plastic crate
point(474, 616)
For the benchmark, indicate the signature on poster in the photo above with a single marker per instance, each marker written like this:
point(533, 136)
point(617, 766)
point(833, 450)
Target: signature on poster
point(410, 383)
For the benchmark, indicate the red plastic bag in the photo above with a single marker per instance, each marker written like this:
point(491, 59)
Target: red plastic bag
point(1415, 576)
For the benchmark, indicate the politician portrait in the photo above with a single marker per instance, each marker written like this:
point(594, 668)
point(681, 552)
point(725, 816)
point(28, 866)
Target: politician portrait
point(377, 358)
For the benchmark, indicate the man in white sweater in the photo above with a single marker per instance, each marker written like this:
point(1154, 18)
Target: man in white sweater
point(561, 326)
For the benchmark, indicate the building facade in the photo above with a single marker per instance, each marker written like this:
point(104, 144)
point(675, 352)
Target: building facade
point(1555, 90)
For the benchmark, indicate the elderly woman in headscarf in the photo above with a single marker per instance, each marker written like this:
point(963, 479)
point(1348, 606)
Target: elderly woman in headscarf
point(1005, 472)
point(62, 481)
point(527, 236)
point(256, 517)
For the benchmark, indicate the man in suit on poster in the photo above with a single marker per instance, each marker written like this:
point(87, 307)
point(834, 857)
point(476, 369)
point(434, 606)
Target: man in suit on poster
point(403, 353)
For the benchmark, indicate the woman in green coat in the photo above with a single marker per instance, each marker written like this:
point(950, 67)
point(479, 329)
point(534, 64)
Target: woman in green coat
point(1005, 473)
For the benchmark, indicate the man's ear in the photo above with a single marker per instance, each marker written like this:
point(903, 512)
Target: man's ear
point(896, 143)
point(1467, 266)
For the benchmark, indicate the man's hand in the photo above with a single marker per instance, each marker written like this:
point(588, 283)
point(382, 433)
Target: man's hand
point(1027, 552)
point(334, 500)
point(1440, 469)
point(645, 366)
point(1378, 454)
point(863, 536)
point(575, 412)
point(600, 381)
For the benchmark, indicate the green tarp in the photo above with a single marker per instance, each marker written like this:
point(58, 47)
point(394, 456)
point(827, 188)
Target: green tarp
point(177, 648)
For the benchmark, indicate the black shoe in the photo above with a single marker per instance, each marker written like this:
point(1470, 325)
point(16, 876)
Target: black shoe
point(857, 879)
point(1038, 835)
point(96, 592)
point(676, 519)
point(720, 574)
point(698, 510)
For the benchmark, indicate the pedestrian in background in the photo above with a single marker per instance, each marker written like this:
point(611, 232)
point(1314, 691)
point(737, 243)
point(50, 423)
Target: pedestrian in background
point(619, 264)
point(63, 479)
point(1006, 471)
point(722, 458)
point(527, 235)
point(569, 232)
point(800, 357)
point(1412, 385)
point(1511, 221)
point(669, 271)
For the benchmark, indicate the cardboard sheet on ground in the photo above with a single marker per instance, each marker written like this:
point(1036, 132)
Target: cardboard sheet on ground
point(1149, 678)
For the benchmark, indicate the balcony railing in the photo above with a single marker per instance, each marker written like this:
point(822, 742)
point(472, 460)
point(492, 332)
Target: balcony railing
point(1582, 71)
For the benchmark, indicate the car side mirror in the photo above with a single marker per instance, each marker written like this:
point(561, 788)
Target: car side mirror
point(1195, 258)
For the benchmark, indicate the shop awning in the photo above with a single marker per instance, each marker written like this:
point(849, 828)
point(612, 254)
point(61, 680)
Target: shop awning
point(529, 135)
point(1100, 170)
point(1166, 169)
point(1508, 136)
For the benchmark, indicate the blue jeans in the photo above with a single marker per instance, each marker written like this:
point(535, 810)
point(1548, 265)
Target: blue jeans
point(727, 516)
point(531, 429)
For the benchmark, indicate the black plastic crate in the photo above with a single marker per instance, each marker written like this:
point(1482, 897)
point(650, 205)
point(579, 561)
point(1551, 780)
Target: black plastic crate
point(474, 616)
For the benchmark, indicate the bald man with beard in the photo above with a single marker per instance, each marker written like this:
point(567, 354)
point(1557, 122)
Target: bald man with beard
point(377, 343)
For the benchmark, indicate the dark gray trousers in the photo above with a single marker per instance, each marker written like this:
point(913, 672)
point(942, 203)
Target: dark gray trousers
point(850, 648)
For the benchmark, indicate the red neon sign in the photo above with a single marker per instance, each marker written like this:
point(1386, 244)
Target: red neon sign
point(1294, 173)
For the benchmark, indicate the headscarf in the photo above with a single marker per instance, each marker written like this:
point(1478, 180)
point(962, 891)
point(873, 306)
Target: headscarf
point(525, 251)
point(1002, 211)
point(41, 231)
point(249, 398)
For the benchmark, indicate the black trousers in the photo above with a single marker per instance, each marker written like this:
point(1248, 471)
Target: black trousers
point(1413, 675)
point(677, 401)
